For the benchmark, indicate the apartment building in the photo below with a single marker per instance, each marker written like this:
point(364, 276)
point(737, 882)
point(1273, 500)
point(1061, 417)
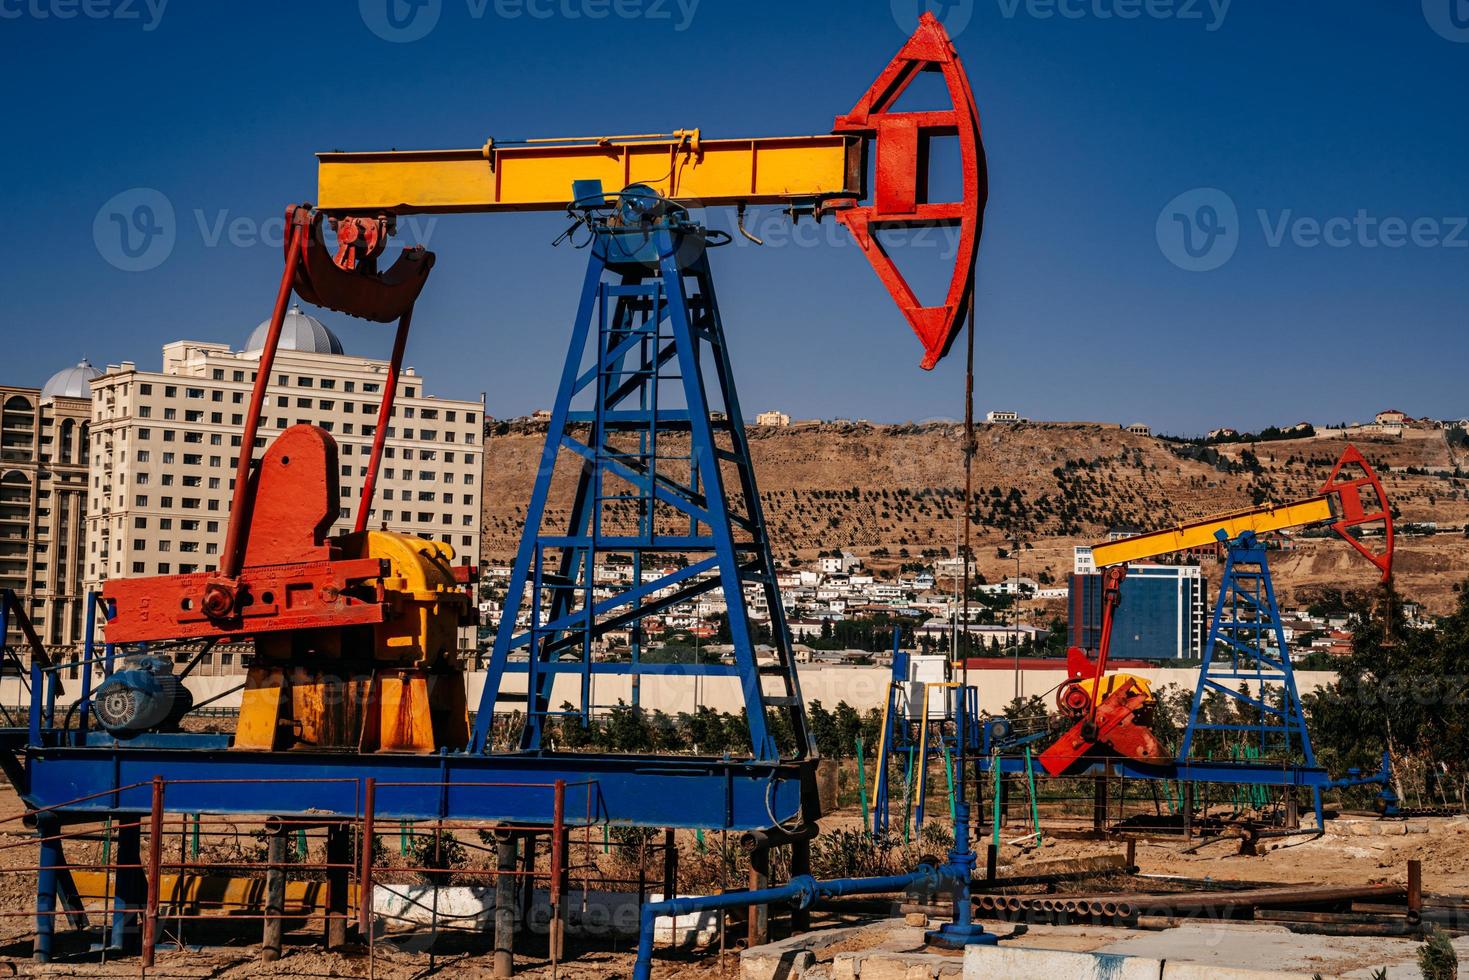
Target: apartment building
point(43, 487)
point(165, 444)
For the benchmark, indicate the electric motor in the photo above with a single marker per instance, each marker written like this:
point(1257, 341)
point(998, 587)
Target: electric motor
point(142, 696)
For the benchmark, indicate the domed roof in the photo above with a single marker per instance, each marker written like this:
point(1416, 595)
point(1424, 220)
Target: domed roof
point(72, 382)
point(299, 331)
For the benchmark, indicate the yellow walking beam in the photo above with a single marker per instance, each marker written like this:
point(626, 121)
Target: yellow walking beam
point(1314, 510)
point(537, 175)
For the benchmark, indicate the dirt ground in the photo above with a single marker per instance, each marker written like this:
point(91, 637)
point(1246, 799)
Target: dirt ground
point(1354, 851)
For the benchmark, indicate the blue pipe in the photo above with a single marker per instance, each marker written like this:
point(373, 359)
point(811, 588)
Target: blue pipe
point(800, 891)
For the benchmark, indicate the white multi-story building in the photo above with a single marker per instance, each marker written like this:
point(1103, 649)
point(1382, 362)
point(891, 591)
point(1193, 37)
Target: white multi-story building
point(43, 490)
point(774, 419)
point(164, 446)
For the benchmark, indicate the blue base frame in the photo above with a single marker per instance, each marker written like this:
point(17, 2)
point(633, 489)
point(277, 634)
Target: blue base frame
point(203, 775)
point(1191, 770)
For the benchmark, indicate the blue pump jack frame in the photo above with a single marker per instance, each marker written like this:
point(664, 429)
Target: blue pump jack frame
point(648, 352)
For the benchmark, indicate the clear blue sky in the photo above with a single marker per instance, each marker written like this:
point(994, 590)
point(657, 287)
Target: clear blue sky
point(1094, 122)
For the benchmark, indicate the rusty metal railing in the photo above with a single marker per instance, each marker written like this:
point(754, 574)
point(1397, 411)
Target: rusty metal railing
point(145, 879)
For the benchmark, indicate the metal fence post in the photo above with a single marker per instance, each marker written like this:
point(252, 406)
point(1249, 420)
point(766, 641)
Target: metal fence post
point(48, 828)
point(275, 894)
point(128, 896)
point(557, 889)
point(364, 878)
point(800, 865)
point(759, 924)
point(155, 859)
point(505, 847)
point(338, 857)
point(670, 865)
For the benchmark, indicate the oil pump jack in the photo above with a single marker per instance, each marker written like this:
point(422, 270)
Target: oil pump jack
point(354, 634)
point(1111, 713)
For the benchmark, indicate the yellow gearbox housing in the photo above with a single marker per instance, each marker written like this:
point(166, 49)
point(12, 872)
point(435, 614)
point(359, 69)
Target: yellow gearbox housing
point(396, 686)
point(427, 604)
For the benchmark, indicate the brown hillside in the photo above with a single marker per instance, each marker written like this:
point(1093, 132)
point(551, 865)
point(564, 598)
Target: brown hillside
point(899, 488)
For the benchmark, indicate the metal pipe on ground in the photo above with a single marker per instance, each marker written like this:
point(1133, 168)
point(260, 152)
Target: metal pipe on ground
point(1252, 898)
point(1340, 923)
point(1445, 915)
point(1217, 884)
point(1069, 870)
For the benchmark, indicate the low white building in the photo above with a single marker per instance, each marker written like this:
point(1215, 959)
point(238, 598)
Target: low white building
point(840, 564)
point(1082, 561)
point(1012, 586)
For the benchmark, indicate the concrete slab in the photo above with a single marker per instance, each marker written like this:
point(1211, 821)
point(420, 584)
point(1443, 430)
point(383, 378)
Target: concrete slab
point(892, 950)
point(1202, 950)
point(1030, 963)
point(1180, 970)
point(887, 965)
point(795, 956)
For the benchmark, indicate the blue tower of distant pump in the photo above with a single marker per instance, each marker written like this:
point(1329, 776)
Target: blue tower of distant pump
point(648, 427)
point(1247, 644)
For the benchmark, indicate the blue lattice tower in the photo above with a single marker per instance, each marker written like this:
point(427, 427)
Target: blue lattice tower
point(1247, 644)
point(647, 417)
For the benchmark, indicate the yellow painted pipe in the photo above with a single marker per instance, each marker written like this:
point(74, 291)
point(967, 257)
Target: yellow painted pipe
point(194, 894)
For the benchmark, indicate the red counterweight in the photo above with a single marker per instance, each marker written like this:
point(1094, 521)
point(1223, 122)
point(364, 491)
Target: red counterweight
point(293, 578)
point(900, 192)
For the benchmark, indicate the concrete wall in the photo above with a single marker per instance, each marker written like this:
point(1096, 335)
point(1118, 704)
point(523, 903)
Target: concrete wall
point(860, 687)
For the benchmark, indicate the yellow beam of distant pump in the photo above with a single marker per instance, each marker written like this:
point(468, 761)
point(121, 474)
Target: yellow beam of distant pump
point(537, 175)
point(1197, 534)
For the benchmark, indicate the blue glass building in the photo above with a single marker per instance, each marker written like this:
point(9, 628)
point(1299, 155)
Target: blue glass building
point(1163, 614)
